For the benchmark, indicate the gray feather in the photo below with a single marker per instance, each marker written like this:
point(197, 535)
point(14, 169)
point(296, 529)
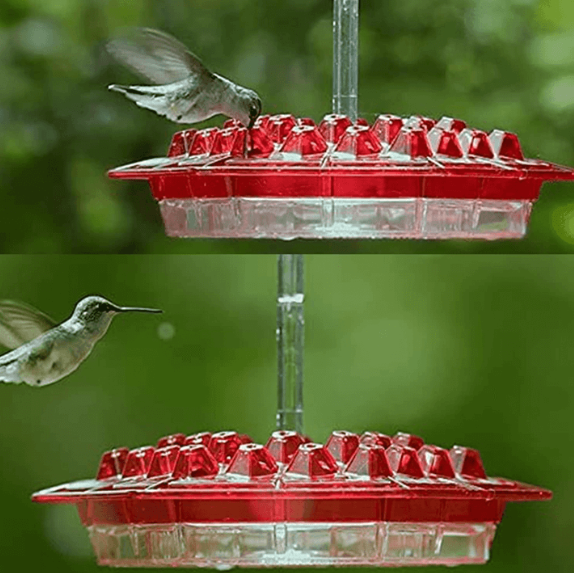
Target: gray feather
point(157, 56)
point(10, 365)
point(10, 374)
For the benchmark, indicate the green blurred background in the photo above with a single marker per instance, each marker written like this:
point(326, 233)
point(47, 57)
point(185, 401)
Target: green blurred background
point(469, 350)
point(494, 64)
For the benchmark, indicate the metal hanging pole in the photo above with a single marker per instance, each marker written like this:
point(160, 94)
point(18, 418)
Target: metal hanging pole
point(290, 342)
point(346, 57)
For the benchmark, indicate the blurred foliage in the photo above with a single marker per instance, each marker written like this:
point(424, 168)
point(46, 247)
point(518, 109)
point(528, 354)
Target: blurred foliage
point(468, 350)
point(495, 64)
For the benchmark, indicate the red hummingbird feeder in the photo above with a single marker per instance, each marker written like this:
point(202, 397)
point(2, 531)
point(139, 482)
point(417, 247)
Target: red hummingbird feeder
point(219, 500)
point(398, 178)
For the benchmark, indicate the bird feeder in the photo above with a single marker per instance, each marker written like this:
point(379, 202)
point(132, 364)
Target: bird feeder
point(397, 177)
point(220, 500)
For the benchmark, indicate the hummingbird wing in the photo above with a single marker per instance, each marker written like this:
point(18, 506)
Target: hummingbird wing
point(158, 56)
point(20, 323)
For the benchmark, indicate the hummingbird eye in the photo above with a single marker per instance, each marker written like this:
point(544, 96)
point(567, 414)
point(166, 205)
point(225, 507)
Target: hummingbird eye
point(255, 109)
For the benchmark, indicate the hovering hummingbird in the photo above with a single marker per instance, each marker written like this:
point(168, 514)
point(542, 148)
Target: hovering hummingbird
point(46, 352)
point(187, 92)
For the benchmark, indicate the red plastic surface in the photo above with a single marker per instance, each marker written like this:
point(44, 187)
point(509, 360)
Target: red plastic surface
point(395, 157)
point(224, 477)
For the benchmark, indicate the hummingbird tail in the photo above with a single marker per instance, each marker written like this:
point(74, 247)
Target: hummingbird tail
point(118, 88)
point(149, 97)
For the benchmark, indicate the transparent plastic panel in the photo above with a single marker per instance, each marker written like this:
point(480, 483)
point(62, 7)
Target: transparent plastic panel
point(346, 218)
point(224, 546)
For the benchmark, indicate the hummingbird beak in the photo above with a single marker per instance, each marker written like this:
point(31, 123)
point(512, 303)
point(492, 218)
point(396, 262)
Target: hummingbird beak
point(137, 309)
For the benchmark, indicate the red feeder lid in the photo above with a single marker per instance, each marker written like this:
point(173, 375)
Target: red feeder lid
point(351, 467)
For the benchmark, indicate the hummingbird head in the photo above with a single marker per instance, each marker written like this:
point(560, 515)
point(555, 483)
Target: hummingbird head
point(96, 312)
point(249, 108)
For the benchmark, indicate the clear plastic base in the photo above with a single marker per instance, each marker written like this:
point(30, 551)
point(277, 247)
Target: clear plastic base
point(345, 218)
point(223, 546)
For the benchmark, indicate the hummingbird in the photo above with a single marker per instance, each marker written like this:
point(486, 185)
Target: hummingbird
point(44, 351)
point(187, 92)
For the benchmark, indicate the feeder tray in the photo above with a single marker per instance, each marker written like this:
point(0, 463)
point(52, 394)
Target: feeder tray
point(219, 500)
point(397, 178)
